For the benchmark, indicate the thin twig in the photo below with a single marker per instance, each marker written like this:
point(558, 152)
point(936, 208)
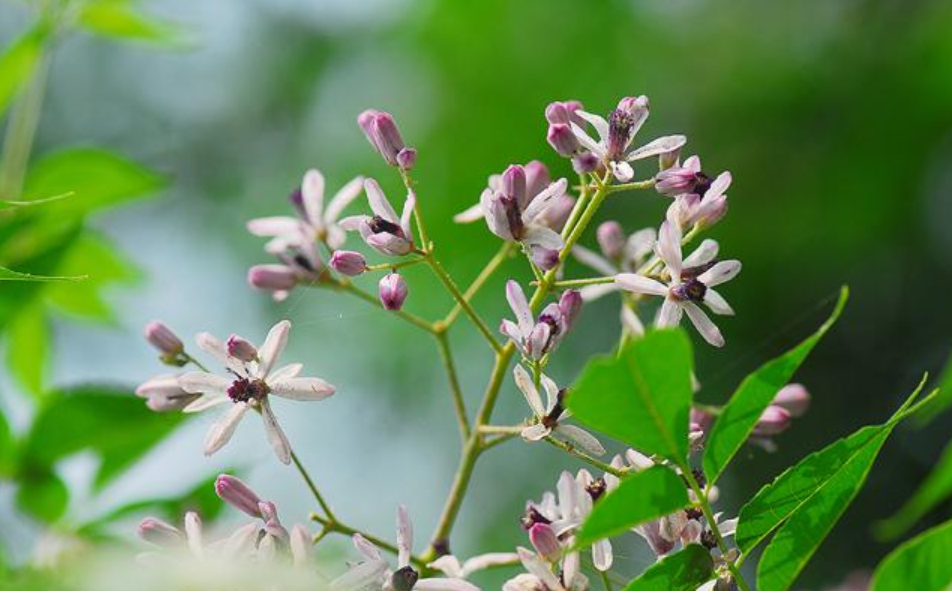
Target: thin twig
point(494, 263)
point(572, 450)
point(459, 403)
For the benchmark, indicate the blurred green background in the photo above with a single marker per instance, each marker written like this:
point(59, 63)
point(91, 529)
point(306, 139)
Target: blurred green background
point(833, 116)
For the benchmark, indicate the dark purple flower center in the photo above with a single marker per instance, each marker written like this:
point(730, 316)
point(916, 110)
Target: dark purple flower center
point(693, 272)
point(702, 183)
point(378, 225)
point(690, 291)
point(245, 390)
point(596, 488)
point(532, 517)
point(513, 215)
point(620, 124)
point(404, 579)
point(552, 419)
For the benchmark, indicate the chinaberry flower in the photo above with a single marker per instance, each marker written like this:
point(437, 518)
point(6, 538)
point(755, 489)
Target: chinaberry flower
point(516, 208)
point(615, 136)
point(167, 536)
point(166, 342)
point(591, 490)
point(164, 394)
point(536, 338)
point(249, 386)
point(314, 221)
point(374, 573)
point(384, 231)
point(691, 282)
point(300, 264)
point(547, 418)
point(698, 198)
point(381, 131)
point(619, 254)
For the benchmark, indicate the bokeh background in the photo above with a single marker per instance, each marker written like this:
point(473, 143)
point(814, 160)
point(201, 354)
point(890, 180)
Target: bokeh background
point(833, 116)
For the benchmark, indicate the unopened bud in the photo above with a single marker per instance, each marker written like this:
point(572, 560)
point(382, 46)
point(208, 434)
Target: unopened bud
point(545, 542)
point(794, 398)
point(272, 277)
point(544, 258)
point(562, 140)
point(162, 338)
point(537, 178)
point(348, 262)
point(563, 112)
point(240, 348)
point(570, 304)
point(382, 133)
point(406, 158)
point(514, 183)
point(773, 421)
point(155, 531)
point(393, 291)
point(611, 239)
point(237, 494)
point(585, 162)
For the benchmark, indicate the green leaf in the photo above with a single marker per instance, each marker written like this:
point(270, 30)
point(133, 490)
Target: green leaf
point(684, 571)
point(33, 202)
point(7, 452)
point(18, 63)
point(808, 499)
point(941, 402)
point(99, 179)
point(922, 564)
point(11, 275)
point(43, 495)
point(118, 19)
point(738, 418)
point(113, 423)
point(642, 396)
point(640, 498)
point(28, 348)
point(936, 488)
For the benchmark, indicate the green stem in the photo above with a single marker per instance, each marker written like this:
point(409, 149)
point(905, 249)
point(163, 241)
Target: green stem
point(607, 583)
point(340, 528)
point(504, 253)
point(195, 362)
point(21, 131)
point(450, 285)
point(417, 216)
point(348, 287)
point(571, 450)
point(395, 266)
point(310, 484)
point(632, 186)
point(579, 207)
point(459, 403)
point(500, 430)
point(583, 282)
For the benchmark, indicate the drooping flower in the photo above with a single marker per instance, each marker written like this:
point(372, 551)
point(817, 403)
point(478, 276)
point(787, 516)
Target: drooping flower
point(300, 264)
point(547, 418)
point(373, 572)
point(615, 136)
point(691, 282)
point(384, 231)
point(249, 387)
point(535, 339)
point(314, 221)
point(516, 208)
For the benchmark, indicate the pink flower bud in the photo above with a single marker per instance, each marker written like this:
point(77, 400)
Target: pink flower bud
point(545, 542)
point(406, 158)
point(155, 531)
point(348, 262)
point(585, 162)
point(562, 140)
point(563, 112)
point(514, 183)
point(272, 277)
point(241, 348)
point(162, 338)
point(382, 133)
point(570, 304)
point(393, 291)
point(537, 178)
point(237, 494)
point(794, 398)
point(544, 258)
point(633, 106)
point(773, 421)
point(611, 239)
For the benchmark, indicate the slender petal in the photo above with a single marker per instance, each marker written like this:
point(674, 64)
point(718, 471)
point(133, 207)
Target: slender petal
point(717, 303)
point(669, 249)
point(221, 432)
point(594, 260)
point(551, 393)
point(520, 306)
point(217, 349)
point(449, 565)
point(435, 584)
point(206, 401)
point(669, 315)
point(312, 195)
point(528, 389)
point(703, 324)
point(286, 372)
point(640, 284)
point(597, 121)
point(544, 237)
point(342, 199)
point(581, 438)
point(630, 320)
point(586, 140)
point(602, 557)
point(361, 576)
point(301, 388)
point(273, 346)
point(274, 226)
point(469, 215)
point(661, 145)
point(721, 272)
point(378, 201)
point(567, 489)
point(277, 439)
point(404, 536)
point(703, 254)
point(484, 561)
point(408, 207)
point(536, 566)
point(591, 293)
point(535, 432)
point(200, 382)
point(544, 199)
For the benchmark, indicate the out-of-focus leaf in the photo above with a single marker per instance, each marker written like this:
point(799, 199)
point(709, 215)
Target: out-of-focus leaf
point(18, 62)
point(924, 563)
point(738, 418)
point(33, 202)
point(639, 498)
point(685, 571)
point(642, 396)
point(112, 422)
point(11, 275)
point(98, 177)
point(7, 453)
point(43, 495)
point(118, 19)
point(941, 402)
point(936, 488)
point(808, 500)
point(92, 253)
point(28, 348)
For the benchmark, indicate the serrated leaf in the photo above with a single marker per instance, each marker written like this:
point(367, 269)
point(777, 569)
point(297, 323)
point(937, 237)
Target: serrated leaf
point(738, 418)
point(823, 498)
point(639, 498)
point(99, 178)
point(684, 571)
point(936, 489)
point(11, 275)
point(28, 349)
point(642, 396)
point(18, 62)
point(42, 495)
point(118, 19)
point(922, 564)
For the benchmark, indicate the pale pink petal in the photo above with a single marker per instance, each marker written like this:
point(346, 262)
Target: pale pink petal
point(287, 372)
point(214, 347)
point(568, 499)
point(659, 146)
point(571, 566)
point(528, 389)
point(489, 560)
point(520, 306)
point(703, 324)
point(276, 437)
point(591, 293)
point(539, 568)
point(622, 171)
point(312, 196)
point(342, 199)
point(721, 272)
point(221, 432)
point(354, 222)
point(544, 199)
point(273, 346)
point(541, 236)
point(586, 140)
point(669, 315)
point(669, 249)
point(365, 574)
point(727, 527)
point(535, 432)
point(717, 303)
point(404, 536)
point(200, 382)
point(719, 186)
point(703, 254)
point(551, 393)
point(300, 545)
point(511, 330)
point(301, 388)
point(630, 320)
point(602, 555)
point(274, 226)
point(598, 122)
point(193, 533)
point(594, 260)
point(469, 215)
point(241, 541)
point(449, 565)
point(434, 584)
point(408, 207)
point(378, 202)
point(640, 284)
point(366, 548)
point(640, 244)
point(581, 438)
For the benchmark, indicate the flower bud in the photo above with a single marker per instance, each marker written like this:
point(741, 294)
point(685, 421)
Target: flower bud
point(544, 258)
point(382, 133)
point(557, 214)
point(562, 140)
point(163, 394)
point(794, 398)
point(514, 183)
point(570, 304)
point(393, 291)
point(634, 106)
point(272, 277)
point(406, 158)
point(585, 162)
point(348, 262)
point(611, 239)
point(162, 338)
point(773, 421)
point(155, 531)
point(241, 348)
point(537, 178)
point(545, 542)
point(237, 494)
point(563, 112)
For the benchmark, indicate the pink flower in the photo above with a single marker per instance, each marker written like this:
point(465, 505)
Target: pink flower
point(384, 231)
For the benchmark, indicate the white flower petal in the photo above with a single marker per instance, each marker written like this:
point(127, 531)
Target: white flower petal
point(276, 437)
point(221, 432)
point(449, 565)
point(717, 303)
point(535, 432)
point(434, 584)
point(703, 254)
point(568, 498)
point(669, 315)
point(404, 536)
point(312, 196)
point(586, 140)
point(597, 121)
point(489, 560)
point(378, 202)
point(273, 346)
point(528, 389)
point(544, 199)
point(275, 226)
point(669, 249)
point(301, 388)
point(640, 284)
point(541, 236)
point(703, 324)
point(593, 260)
point(200, 382)
point(354, 222)
point(721, 272)
point(551, 393)
point(602, 555)
point(469, 215)
point(214, 347)
point(361, 576)
point(536, 566)
point(408, 206)
point(582, 439)
point(520, 307)
point(661, 145)
point(300, 543)
point(205, 402)
point(630, 320)
point(342, 199)
point(287, 372)
point(622, 171)
point(366, 548)
point(590, 293)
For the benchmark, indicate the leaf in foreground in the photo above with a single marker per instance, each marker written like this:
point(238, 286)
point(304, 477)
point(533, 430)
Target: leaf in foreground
point(921, 564)
point(11, 275)
point(936, 489)
point(684, 571)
